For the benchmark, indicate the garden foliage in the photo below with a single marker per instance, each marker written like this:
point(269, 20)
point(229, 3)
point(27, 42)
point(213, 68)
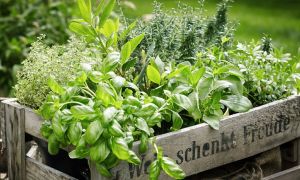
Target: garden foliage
point(21, 22)
point(183, 32)
point(123, 84)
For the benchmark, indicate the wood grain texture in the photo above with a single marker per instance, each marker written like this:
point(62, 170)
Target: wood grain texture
point(2, 122)
point(37, 171)
point(33, 123)
point(15, 138)
point(289, 174)
point(199, 148)
point(3, 154)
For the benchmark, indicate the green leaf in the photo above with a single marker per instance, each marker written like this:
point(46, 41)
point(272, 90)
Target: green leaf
point(204, 87)
point(135, 42)
point(99, 152)
point(183, 101)
point(58, 128)
point(81, 150)
point(95, 76)
point(106, 12)
point(197, 75)
point(213, 121)
point(53, 145)
point(111, 161)
point(176, 72)
point(143, 143)
point(81, 79)
point(127, 31)
point(182, 89)
point(177, 121)
point(74, 133)
point(154, 119)
point(159, 64)
point(47, 110)
point(102, 169)
point(55, 87)
point(81, 99)
point(111, 62)
point(93, 132)
point(115, 129)
point(109, 114)
point(46, 129)
point(131, 100)
point(118, 82)
point(142, 125)
point(109, 28)
point(133, 158)
point(171, 168)
point(81, 28)
point(83, 112)
point(120, 148)
point(232, 82)
point(129, 64)
point(147, 110)
point(105, 94)
point(153, 74)
point(237, 103)
point(154, 170)
point(99, 7)
point(125, 52)
point(85, 10)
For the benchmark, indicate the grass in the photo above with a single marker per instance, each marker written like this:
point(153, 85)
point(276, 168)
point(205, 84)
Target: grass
point(277, 18)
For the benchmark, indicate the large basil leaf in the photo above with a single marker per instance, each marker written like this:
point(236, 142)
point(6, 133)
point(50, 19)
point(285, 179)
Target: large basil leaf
point(83, 112)
point(93, 132)
point(237, 103)
point(154, 170)
point(171, 168)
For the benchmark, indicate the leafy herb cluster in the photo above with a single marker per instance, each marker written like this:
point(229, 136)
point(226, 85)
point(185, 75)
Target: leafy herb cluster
point(107, 103)
point(180, 34)
point(102, 111)
point(61, 62)
point(269, 73)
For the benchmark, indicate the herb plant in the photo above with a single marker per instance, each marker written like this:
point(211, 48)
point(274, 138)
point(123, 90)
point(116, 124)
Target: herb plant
point(105, 108)
point(59, 61)
point(269, 73)
point(181, 33)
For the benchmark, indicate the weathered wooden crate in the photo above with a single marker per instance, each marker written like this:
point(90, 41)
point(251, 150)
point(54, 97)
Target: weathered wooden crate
point(195, 149)
point(19, 166)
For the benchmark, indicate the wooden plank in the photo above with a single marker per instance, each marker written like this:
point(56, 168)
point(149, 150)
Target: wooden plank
point(3, 154)
point(289, 174)
point(36, 171)
point(2, 122)
point(15, 138)
point(199, 148)
point(33, 123)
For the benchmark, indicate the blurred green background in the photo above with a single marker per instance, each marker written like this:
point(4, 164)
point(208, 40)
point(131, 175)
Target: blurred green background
point(22, 21)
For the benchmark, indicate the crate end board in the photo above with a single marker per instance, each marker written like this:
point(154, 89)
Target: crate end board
point(200, 148)
point(36, 171)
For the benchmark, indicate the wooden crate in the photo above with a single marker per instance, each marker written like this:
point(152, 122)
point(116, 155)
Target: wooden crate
point(195, 149)
point(20, 166)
